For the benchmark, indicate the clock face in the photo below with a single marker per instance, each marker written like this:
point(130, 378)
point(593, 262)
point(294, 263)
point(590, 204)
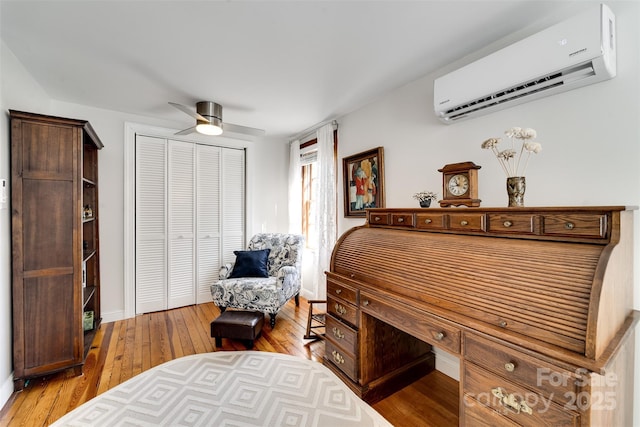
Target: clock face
point(458, 185)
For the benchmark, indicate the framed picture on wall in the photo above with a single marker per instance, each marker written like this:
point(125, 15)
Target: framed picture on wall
point(363, 182)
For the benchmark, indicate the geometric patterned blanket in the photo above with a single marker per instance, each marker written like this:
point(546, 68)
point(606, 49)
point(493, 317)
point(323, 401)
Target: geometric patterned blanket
point(230, 388)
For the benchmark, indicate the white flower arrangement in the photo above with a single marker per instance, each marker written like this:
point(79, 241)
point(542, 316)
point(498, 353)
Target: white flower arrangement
point(423, 196)
point(510, 159)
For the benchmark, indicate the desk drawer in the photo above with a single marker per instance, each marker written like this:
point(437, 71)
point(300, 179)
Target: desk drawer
point(378, 218)
point(467, 222)
point(345, 362)
point(475, 414)
point(343, 292)
point(341, 335)
point(547, 379)
point(511, 223)
point(402, 219)
point(428, 221)
point(343, 311)
point(525, 407)
point(585, 225)
point(419, 324)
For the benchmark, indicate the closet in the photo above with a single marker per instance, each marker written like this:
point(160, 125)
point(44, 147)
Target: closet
point(190, 217)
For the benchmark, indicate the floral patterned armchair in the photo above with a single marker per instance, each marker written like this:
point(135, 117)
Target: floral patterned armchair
point(265, 294)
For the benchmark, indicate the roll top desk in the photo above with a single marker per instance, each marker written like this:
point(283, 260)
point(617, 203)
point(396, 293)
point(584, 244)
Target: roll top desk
point(535, 302)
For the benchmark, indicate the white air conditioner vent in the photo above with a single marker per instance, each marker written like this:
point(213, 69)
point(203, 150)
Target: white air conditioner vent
point(574, 53)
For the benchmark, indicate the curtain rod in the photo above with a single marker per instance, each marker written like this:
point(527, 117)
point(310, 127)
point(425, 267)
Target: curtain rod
point(308, 131)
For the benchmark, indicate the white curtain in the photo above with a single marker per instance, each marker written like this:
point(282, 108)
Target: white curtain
point(295, 189)
point(326, 205)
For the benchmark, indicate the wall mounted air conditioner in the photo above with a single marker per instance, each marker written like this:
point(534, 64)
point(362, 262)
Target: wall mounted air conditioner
point(576, 52)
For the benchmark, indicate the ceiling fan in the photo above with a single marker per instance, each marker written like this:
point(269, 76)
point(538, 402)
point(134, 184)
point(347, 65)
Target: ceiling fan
point(208, 117)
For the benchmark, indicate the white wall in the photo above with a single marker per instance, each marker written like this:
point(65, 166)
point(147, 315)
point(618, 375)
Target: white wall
point(267, 166)
point(590, 135)
point(18, 91)
point(590, 138)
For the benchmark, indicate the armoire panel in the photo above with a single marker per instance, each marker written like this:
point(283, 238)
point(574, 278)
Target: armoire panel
point(49, 304)
point(48, 205)
point(48, 150)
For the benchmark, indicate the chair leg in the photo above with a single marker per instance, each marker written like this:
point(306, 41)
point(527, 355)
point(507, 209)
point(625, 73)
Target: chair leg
point(297, 300)
point(273, 319)
point(317, 318)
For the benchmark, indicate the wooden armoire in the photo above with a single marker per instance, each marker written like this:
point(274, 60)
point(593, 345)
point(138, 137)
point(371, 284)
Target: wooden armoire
point(55, 243)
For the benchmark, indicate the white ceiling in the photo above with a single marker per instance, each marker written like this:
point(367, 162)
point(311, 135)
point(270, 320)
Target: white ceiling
point(282, 66)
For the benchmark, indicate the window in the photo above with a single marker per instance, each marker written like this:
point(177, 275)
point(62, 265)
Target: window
point(308, 160)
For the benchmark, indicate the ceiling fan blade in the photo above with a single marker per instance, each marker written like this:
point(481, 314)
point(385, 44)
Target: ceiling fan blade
point(186, 131)
point(190, 112)
point(229, 127)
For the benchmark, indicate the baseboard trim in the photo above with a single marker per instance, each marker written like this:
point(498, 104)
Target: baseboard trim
point(447, 364)
point(6, 390)
point(113, 316)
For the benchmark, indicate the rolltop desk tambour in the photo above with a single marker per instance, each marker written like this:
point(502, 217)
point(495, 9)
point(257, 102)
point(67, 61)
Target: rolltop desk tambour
point(535, 302)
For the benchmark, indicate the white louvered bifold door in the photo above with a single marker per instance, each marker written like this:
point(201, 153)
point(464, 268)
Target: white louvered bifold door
point(190, 217)
point(233, 203)
point(208, 194)
point(151, 224)
point(181, 285)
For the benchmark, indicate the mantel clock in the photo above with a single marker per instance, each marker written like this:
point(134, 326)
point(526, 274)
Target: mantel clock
point(460, 185)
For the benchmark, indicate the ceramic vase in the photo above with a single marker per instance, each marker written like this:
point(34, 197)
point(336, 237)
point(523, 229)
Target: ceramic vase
point(516, 185)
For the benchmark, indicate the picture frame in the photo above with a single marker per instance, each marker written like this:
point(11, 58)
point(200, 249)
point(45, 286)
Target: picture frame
point(363, 182)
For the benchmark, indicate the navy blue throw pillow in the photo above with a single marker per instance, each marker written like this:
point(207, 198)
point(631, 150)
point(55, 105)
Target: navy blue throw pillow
point(251, 264)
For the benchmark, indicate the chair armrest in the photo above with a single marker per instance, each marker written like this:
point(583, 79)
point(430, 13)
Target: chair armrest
point(288, 275)
point(225, 270)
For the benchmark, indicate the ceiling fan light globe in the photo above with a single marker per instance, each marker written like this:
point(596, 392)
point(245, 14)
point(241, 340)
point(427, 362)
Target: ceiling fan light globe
point(208, 129)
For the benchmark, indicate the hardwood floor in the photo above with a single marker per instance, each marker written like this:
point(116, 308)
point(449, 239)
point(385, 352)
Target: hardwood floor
point(125, 348)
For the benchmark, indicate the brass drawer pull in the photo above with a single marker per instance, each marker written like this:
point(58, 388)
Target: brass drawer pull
point(337, 333)
point(511, 401)
point(340, 309)
point(400, 219)
point(377, 218)
point(503, 324)
point(569, 226)
point(439, 336)
point(337, 357)
point(510, 366)
point(365, 302)
point(428, 221)
point(464, 222)
point(507, 224)
point(338, 291)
